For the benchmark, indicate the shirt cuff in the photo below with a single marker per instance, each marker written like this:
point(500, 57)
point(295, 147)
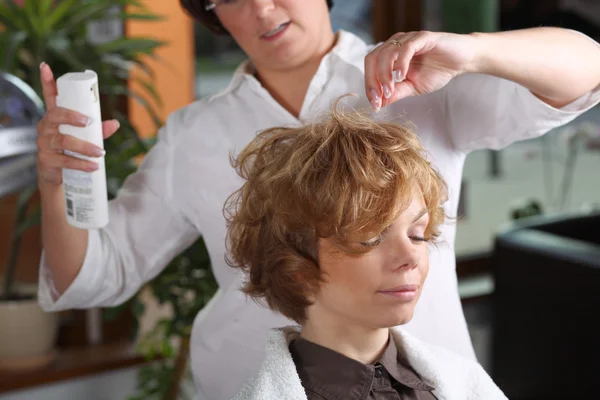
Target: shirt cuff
point(81, 291)
point(552, 117)
point(536, 117)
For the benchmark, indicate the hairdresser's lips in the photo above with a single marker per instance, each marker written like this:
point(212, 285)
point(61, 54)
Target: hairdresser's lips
point(404, 293)
point(276, 32)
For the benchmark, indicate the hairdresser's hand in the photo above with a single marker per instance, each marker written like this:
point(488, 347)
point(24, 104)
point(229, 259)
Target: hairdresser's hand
point(51, 142)
point(424, 61)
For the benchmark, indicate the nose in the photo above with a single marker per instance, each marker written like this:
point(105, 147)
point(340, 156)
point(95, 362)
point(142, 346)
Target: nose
point(263, 7)
point(406, 254)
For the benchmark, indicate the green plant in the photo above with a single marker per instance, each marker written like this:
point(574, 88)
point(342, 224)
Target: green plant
point(55, 32)
point(186, 285)
point(33, 31)
point(23, 221)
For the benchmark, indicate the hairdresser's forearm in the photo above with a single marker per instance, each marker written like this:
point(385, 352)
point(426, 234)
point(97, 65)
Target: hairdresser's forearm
point(557, 65)
point(64, 246)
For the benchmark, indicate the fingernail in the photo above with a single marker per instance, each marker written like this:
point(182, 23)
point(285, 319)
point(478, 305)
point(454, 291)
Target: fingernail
point(82, 119)
point(42, 64)
point(375, 99)
point(118, 123)
point(98, 152)
point(387, 91)
point(397, 74)
point(376, 104)
point(374, 95)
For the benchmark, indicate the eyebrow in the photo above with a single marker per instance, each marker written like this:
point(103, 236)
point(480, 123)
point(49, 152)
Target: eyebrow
point(419, 215)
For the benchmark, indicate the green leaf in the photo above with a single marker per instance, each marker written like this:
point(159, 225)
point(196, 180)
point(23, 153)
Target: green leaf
point(11, 16)
point(10, 44)
point(136, 3)
point(141, 64)
point(119, 90)
point(126, 65)
point(151, 90)
point(68, 57)
point(59, 12)
point(142, 17)
point(111, 313)
point(86, 12)
point(33, 219)
point(165, 348)
point(31, 18)
point(138, 309)
point(25, 196)
point(131, 46)
point(44, 7)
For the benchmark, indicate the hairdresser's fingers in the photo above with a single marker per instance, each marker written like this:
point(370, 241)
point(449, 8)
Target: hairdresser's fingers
point(61, 116)
point(48, 86)
point(51, 145)
point(61, 161)
point(373, 88)
point(109, 128)
point(392, 56)
point(402, 90)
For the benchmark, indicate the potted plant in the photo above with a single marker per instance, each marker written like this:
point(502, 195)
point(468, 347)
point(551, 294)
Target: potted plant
point(55, 32)
point(28, 334)
point(33, 31)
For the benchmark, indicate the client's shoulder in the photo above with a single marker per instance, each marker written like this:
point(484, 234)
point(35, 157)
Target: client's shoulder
point(277, 377)
point(449, 373)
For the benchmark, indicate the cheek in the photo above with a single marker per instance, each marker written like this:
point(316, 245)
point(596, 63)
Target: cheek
point(308, 14)
point(240, 31)
point(354, 278)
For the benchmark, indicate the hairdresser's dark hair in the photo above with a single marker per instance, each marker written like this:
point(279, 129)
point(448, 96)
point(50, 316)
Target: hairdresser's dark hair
point(197, 10)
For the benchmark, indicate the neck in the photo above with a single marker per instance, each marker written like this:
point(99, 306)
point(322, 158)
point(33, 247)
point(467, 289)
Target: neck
point(360, 343)
point(289, 86)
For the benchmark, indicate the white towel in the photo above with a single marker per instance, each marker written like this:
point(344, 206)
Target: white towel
point(453, 377)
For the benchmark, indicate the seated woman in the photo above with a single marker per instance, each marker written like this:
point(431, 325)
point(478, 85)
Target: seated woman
point(332, 226)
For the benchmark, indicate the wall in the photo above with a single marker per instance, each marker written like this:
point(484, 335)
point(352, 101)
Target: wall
point(175, 71)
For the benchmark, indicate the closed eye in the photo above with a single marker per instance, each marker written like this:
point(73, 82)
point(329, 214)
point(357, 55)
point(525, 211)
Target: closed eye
point(376, 241)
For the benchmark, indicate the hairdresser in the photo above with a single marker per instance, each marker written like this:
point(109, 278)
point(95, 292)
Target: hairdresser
point(461, 92)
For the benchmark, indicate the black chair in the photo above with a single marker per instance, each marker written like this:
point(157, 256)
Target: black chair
point(546, 308)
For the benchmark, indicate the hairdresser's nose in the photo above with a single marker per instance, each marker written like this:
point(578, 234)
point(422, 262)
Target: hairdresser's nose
point(263, 8)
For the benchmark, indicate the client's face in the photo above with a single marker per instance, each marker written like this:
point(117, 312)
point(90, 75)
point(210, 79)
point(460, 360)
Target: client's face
point(381, 287)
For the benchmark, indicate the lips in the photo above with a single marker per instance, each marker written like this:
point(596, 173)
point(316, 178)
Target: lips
point(404, 293)
point(275, 30)
point(403, 288)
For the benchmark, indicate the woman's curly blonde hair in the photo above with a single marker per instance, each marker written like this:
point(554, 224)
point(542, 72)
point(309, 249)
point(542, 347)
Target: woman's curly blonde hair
point(346, 178)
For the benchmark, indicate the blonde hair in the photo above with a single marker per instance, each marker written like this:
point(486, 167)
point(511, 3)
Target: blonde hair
point(346, 178)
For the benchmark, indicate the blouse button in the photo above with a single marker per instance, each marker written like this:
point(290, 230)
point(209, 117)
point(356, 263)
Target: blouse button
point(378, 372)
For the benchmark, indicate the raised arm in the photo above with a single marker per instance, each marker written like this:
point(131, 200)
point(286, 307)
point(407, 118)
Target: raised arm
point(557, 65)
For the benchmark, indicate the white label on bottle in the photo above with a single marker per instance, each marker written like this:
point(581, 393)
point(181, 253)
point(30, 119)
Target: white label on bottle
point(80, 208)
point(78, 190)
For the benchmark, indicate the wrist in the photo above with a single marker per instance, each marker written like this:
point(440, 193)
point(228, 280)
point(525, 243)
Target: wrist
point(481, 62)
point(49, 189)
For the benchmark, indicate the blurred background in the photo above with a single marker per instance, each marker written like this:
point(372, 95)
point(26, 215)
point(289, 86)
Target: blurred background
point(528, 249)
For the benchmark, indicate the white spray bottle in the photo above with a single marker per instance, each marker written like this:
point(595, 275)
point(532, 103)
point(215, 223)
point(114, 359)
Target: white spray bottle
point(86, 198)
